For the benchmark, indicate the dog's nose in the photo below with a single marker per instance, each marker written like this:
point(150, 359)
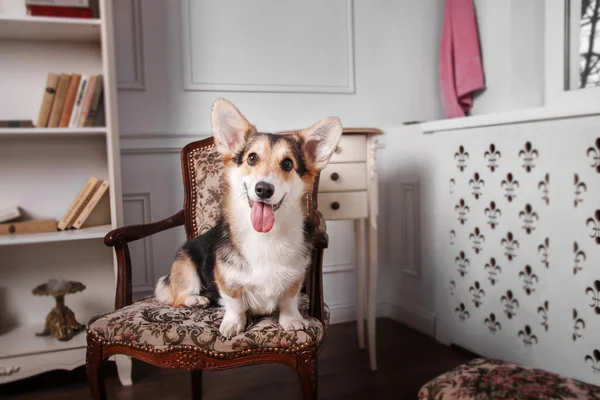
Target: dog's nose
point(264, 190)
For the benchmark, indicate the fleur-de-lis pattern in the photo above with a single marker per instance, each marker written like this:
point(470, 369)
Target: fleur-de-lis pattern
point(493, 271)
point(461, 157)
point(463, 263)
point(451, 185)
point(594, 224)
point(544, 186)
point(594, 154)
point(478, 239)
point(594, 360)
point(462, 209)
point(510, 304)
point(492, 155)
point(510, 185)
point(579, 259)
point(580, 187)
point(462, 312)
point(493, 325)
point(543, 250)
point(529, 279)
point(452, 237)
point(578, 326)
point(594, 293)
point(529, 155)
point(476, 184)
point(477, 294)
point(529, 218)
point(526, 334)
point(543, 311)
point(518, 218)
point(493, 214)
point(510, 245)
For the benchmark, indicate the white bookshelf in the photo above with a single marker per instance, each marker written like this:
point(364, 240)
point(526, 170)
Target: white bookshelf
point(42, 170)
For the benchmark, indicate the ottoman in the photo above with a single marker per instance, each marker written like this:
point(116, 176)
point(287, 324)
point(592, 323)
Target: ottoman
point(494, 379)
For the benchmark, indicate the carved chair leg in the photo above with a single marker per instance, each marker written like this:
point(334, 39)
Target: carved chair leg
point(196, 385)
point(307, 369)
point(93, 364)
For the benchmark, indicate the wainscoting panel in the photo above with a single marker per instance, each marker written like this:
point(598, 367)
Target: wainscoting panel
point(129, 44)
point(213, 51)
point(136, 207)
point(411, 246)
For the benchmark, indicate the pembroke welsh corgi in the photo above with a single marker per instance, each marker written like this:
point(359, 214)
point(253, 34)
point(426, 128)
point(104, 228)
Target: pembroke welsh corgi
point(255, 257)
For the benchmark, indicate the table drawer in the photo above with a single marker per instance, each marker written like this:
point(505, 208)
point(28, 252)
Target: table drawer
point(346, 205)
point(351, 148)
point(343, 177)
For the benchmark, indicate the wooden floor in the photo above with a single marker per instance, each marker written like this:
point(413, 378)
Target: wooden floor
point(406, 359)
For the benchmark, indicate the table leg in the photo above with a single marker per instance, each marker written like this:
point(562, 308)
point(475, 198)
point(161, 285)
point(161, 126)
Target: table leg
point(359, 265)
point(372, 294)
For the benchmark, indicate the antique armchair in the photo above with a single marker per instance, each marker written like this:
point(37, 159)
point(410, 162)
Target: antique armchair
point(189, 338)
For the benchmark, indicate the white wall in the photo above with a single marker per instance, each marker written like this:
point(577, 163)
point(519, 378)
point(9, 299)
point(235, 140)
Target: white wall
point(389, 76)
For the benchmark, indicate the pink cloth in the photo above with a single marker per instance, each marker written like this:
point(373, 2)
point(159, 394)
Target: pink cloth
point(461, 70)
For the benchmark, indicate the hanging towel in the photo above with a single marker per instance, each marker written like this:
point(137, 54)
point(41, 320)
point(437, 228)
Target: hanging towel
point(461, 70)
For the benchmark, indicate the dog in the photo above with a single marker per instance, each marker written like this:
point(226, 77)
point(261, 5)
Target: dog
point(255, 257)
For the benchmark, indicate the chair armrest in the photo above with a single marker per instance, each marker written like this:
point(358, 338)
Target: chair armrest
point(119, 239)
point(127, 234)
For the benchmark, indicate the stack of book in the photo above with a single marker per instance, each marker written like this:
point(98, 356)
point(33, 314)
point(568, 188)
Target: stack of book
point(84, 203)
point(72, 101)
point(63, 8)
point(17, 225)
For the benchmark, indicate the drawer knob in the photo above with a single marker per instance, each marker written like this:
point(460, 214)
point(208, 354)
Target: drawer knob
point(338, 149)
point(335, 205)
point(335, 176)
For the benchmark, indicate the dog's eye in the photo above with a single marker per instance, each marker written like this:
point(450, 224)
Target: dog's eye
point(252, 159)
point(287, 165)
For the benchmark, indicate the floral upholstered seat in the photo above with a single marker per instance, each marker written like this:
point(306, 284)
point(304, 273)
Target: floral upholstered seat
point(150, 324)
point(494, 379)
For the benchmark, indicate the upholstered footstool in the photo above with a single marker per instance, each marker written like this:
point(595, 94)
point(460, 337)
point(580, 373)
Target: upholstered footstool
point(493, 379)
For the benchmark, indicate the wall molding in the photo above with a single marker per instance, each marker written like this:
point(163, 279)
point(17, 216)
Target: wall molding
point(410, 191)
point(190, 84)
point(419, 320)
point(139, 82)
point(144, 200)
point(335, 268)
point(157, 143)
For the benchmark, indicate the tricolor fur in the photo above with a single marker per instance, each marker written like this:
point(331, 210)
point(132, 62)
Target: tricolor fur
point(254, 259)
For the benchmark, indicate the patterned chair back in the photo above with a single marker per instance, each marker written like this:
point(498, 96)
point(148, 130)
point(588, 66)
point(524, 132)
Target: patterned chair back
point(203, 170)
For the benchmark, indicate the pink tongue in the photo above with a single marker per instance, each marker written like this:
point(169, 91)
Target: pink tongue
point(262, 217)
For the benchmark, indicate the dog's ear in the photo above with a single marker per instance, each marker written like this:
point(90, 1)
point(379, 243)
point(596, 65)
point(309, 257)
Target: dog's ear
point(230, 128)
point(320, 141)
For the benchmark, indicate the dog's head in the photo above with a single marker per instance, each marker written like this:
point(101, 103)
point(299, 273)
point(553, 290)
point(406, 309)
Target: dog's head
point(271, 172)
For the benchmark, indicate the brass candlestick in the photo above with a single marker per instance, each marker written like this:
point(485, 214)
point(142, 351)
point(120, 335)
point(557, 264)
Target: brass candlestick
point(61, 321)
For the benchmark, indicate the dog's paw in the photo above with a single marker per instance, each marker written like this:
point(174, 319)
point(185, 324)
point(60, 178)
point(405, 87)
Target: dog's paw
point(232, 326)
point(197, 301)
point(292, 323)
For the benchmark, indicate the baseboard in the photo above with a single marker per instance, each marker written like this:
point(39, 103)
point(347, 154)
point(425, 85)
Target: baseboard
point(418, 320)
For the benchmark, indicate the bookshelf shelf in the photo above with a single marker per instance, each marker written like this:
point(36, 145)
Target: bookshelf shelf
point(95, 232)
point(49, 132)
point(49, 28)
point(21, 340)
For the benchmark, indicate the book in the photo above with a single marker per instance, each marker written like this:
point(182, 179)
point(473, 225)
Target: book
point(47, 100)
point(63, 12)
point(59, 100)
point(9, 214)
point(59, 3)
point(78, 203)
point(91, 205)
point(87, 99)
point(69, 101)
point(34, 226)
point(100, 119)
point(76, 112)
point(16, 123)
point(95, 103)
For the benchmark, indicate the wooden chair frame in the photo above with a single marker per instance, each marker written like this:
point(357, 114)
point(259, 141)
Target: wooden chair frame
point(303, 359)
